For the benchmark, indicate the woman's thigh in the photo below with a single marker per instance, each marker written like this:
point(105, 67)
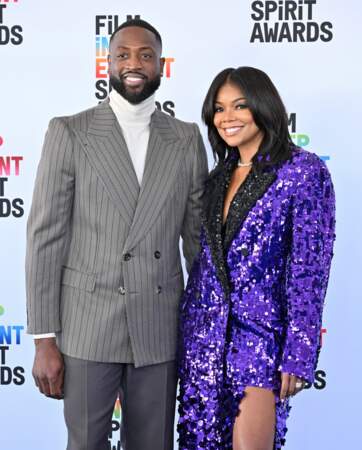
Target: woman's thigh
point(254, 427)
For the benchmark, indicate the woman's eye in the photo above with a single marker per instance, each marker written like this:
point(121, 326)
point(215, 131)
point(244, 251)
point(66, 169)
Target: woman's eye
point(218, 109)
point(241, 106)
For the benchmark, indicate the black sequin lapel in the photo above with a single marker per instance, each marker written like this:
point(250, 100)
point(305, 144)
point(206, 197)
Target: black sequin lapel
point(212, 217)
point(253, 188)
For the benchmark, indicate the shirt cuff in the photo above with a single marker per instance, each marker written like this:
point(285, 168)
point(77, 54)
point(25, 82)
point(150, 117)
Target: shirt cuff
point(44, 335)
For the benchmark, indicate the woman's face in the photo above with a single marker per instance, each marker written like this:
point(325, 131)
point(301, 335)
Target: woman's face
point(233, 119)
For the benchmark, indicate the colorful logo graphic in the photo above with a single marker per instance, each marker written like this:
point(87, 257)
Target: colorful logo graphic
point(10, 335)
point(117, 409)
point(301, 140)
point(9, 166)
point(114, 436)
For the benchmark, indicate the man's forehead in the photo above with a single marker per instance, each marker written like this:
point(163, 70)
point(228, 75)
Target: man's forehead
point(134, 36)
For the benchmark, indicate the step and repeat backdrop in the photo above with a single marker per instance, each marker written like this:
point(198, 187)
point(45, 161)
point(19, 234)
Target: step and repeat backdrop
point(53, 62)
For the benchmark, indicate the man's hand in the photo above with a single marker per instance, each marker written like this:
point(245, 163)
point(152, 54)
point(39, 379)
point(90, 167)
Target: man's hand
point(48, 368)
point(291, 385)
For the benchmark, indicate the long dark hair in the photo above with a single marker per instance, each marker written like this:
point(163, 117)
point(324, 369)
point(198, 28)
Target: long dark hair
point(268, 111)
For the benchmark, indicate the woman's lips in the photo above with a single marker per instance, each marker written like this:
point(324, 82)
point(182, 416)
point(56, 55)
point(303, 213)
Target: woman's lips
point(232, 130)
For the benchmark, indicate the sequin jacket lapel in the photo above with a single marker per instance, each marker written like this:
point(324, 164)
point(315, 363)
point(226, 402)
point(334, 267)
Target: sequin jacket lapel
point(253, 188)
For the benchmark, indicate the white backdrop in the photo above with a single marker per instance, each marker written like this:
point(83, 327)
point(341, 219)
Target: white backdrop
point(48, 68)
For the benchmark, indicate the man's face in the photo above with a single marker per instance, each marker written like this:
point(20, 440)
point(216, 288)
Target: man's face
point(135, 63)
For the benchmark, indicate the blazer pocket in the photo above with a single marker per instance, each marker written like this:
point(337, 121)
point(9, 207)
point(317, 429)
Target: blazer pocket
point(80, 280)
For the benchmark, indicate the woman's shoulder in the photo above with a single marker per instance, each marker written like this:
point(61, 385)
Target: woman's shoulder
point(303, 163)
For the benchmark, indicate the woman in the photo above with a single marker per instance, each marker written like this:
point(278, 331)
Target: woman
point(251, 312)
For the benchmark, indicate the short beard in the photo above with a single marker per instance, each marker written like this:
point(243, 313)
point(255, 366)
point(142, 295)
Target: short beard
point(135, 98)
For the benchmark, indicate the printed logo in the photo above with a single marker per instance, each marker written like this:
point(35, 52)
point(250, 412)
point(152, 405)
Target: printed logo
point(9, 166)
point(10, 336)
point(301, 139)
point(288, 21)
point(320, 376)
point(114, 442)
point(9, 33)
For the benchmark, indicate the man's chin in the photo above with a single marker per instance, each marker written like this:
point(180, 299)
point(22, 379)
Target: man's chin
point(134, 90)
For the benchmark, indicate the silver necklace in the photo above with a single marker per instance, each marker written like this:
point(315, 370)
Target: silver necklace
point(241, 164)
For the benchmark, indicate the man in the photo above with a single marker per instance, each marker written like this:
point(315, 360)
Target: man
point(116, 187)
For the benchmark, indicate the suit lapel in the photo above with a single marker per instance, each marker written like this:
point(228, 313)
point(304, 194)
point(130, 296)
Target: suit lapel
point(161, 168)
point(253, 188)
point(107, 152)
point(212, 215)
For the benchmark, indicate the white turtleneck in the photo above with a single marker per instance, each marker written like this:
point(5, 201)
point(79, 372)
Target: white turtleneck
point(134, 121)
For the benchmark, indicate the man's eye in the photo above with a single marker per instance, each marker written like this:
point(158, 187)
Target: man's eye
point(146, 56)
point(122, 55)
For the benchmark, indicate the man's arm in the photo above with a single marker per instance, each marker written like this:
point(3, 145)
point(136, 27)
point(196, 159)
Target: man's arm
point(192, 221)
point(47, 236)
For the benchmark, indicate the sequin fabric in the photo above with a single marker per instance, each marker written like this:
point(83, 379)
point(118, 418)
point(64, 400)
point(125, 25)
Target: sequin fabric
point(253, 303)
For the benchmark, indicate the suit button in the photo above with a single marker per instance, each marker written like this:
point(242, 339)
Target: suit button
point(127, 256)
point(158, 289)
point(157, 254)
point(121, 290)
point(244, 251)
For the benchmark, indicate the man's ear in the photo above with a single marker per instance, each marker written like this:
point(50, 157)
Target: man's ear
point(162, 65)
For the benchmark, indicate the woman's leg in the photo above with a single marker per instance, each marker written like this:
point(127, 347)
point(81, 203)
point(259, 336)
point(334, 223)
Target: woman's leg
point(254, 427)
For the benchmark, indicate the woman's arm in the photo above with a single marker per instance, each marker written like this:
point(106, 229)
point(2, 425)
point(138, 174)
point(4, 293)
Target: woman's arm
point(313, 226)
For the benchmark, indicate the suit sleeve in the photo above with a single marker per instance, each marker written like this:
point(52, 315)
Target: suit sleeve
point(313, 226)
point(192, 220)
point(47, 229)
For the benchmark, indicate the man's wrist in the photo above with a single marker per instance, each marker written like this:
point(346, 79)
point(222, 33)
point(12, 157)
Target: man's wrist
point(45, 342)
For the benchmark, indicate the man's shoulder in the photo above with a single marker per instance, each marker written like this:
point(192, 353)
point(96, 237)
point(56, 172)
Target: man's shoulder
point(81, 120)
point(180, 128)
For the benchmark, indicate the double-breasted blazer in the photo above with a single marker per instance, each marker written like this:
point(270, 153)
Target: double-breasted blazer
point(103, 267)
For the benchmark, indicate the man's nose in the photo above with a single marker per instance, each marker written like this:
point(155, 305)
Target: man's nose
point(134, 62)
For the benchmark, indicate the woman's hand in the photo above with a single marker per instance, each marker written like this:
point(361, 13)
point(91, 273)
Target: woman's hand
point(291, 385)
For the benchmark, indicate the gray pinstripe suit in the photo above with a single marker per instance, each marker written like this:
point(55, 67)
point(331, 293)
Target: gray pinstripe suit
point(103, 269)
point(103, 265)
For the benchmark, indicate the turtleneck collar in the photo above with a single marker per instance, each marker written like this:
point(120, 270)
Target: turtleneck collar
point(130, 114)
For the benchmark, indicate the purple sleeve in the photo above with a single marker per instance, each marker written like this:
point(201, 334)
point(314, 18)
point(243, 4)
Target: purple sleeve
point(313, 225)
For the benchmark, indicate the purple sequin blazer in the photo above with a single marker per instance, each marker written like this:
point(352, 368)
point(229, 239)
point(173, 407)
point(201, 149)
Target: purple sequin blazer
point(271, 262)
